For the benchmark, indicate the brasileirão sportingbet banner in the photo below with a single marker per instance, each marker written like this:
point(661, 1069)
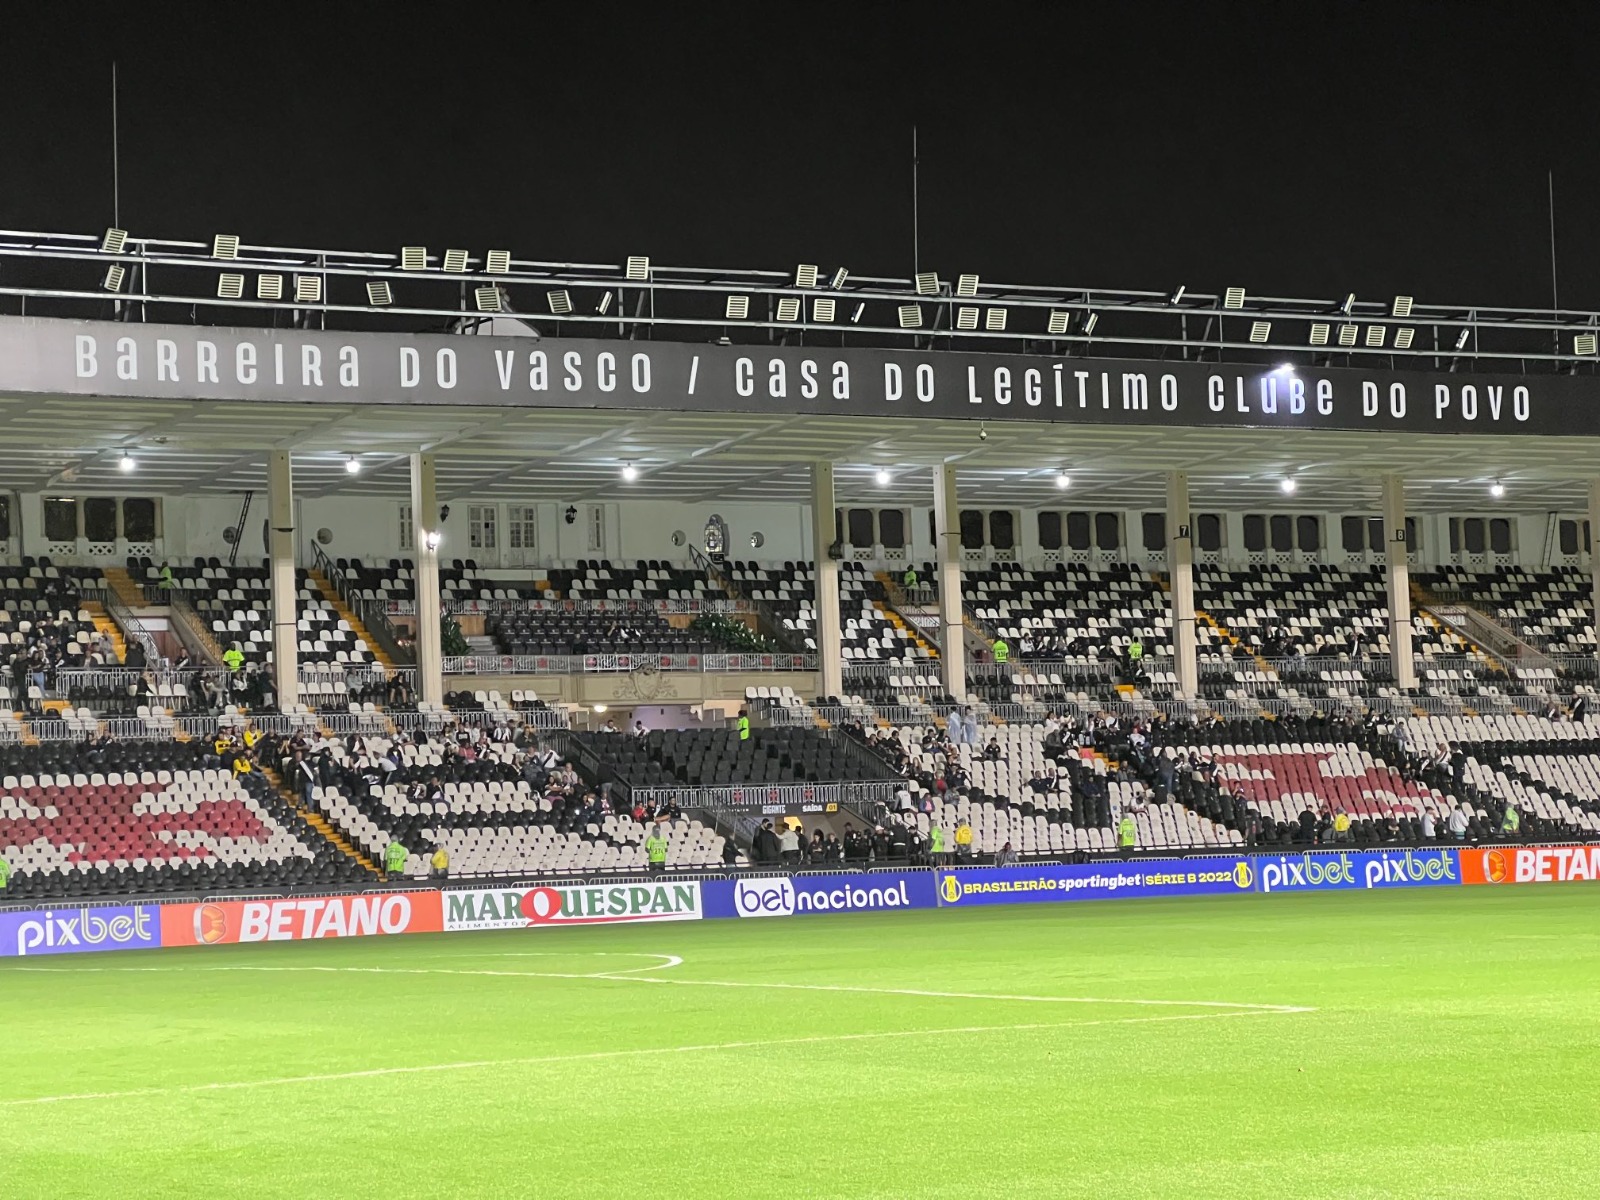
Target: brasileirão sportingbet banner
point(1099, 881)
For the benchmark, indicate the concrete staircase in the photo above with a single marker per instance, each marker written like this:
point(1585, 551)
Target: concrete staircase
point(104, 624)
point(331, 595)
point(892, 614)
point(129, 592)
point(317, 822)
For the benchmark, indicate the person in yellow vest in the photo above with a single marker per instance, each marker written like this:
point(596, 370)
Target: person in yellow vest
point(963, 841)
point(744, 725)
point(1127, 835)
point(440, 862)
point(242, 765)
point(1002, 652)
point(233, 658)
point(252, 735)
point(909, 580)
point(1341, 826)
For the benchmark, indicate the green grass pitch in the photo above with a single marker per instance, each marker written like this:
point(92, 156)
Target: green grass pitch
point(1452, 1049)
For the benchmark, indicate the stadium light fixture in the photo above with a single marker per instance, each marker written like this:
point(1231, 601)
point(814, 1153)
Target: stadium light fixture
point(1233, 298)
point(488, 298)
point(1375, 336)
point(1586, 344)
point(1287, 485)
point(1401, 306)
point(1060, 321)
point(822, 309)
point(855, 317)
point(1497, 489)
point(413, 258)
point(994, 320)
point(638, 269)
point(966, 285)
point(605, 304)
point(789, 308)
point(1348, 334)
point(805, 275)
point(455, 261)
point(927, 283)
point(225, 246)
point(883, 477)
point(838, 279)
point(1089, 322)
point(1063, 480)
point(308, 289)
point(497, 262)
point(629, 472)
point(911, 316)
point(1285, 368)
point(431, 539)
point(560, 302)
point(737, 308)
point(1349, 303)
point(1403, 337)
point(113, 240)
point(1177, 297)
point(269, 287)
point(114, 276)
point(1260, 331)
point(1461, 342)
point(379, 294)
point(126, 462)
point(1319, 333)
point(352, 465)
point(230, 286)
point(966, 318)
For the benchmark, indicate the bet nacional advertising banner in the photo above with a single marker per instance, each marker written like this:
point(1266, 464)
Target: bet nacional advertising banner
point(798, 895)
point(1100, 881)
point(1531, 864)
point(80, 930)
point(572, 904)
point(1321, 871)
point(297, 920)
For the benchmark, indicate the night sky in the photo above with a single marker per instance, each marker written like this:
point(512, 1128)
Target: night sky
point(1302, 149)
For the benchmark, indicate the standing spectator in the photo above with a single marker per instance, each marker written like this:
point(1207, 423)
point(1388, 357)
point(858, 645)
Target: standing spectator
point(789, 846)
point(440, 862)
point(1458, 822)
point(1341, 827)
point(1428, 832)
point(655, 846)
point(765, 844)
point(963, 841)
point(1007, 857)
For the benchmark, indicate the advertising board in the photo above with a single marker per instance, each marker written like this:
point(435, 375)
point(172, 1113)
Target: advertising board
point(1321, 871)
point(295, 920)
point(1530, 864)
point(794, 895)
point(80, 930)
point(1153, 877)
point(571, 904)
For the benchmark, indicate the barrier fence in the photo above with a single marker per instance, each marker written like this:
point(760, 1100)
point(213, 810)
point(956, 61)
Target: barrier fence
point(578, 664)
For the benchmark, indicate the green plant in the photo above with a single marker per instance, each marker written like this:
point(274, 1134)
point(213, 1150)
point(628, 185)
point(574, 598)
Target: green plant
point(451, 641)
point(735, 635)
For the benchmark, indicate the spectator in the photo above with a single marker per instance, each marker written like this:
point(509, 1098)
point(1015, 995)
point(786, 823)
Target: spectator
point(1341, 827)
point(963, 841)
point(767, 849)
point(1458, 822)
point(730, 852)
point(1428, 832)
point(655, 847)
point(1007, 857)
point(818, 850)
point(789, 846)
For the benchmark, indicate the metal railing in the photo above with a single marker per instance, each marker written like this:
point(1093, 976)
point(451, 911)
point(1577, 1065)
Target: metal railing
point(755, 796)
point(506, 606)
point(373, 615)
point(588, 664)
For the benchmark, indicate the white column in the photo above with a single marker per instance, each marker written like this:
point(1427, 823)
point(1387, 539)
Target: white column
point(824, 532)
point(425, 537)
point(952, 629)
point(1180, 569)
point(1594, 552)
point(1396, 549)
point(280, 554)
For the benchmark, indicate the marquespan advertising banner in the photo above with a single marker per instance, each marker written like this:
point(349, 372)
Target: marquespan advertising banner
point(792, 895)
point(572, 904)
point(295, 920)
point(1531, 864)
point(47, 356)
point(80, 930)
point(1100, 881)
point(1321, 871)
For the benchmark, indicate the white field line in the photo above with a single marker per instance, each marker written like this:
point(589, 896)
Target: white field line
point(602, 1055)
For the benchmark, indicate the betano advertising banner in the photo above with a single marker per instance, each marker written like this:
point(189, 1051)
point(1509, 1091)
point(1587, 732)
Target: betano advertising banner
point(1531, 864)
point(792, 895)
point(297, 920)
point(1154, 877)
point(1321, 871)
point(572, 904)
point(80, 930)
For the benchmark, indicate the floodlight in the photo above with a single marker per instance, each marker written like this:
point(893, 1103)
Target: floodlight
point(994, 320)
point(927, 283)
point(629, 472)
point(883, 477)
point(789, 308)
point(1176, 296)
point(497, 262)
point(1348, 334)
point(838, 279)
point(966, 285)
point(1586, 343)
point(605, 304)
point(1286, 485)
point(1319, 333)
point(1497, 489)
point(352, 465)
point(1401, 307)
point(488, 299)
point(855, 317)
point(1461, 342)
point(431, 539)
point(822, 309)
point(113, 280)
point(413, 258)
point(225, 246)
point(269, 287)
point(737, 309)
point(1089, 322)
point(230, 286)
point(638, 267)
point(1403, 338)
point(1260, 331)
point(560, 301)
point(308, 289)
point(805, 276)
point(1063, 481)
point(1375, 335)
point(910, 316)
point(1059, 321)
point(1233, 298)
point(966, 318)
point(455, 260)
point(1349, 303)
point(126, 463)
point(378, 293)
point(113, 241)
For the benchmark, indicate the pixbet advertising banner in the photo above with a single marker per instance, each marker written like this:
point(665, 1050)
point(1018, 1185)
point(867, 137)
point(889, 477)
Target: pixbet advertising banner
point(292, 920)
point(791, 895)
point(1156, 877)
point(80, 930)
point(1318, 871)
point(572, 904)
point(1531, 864)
